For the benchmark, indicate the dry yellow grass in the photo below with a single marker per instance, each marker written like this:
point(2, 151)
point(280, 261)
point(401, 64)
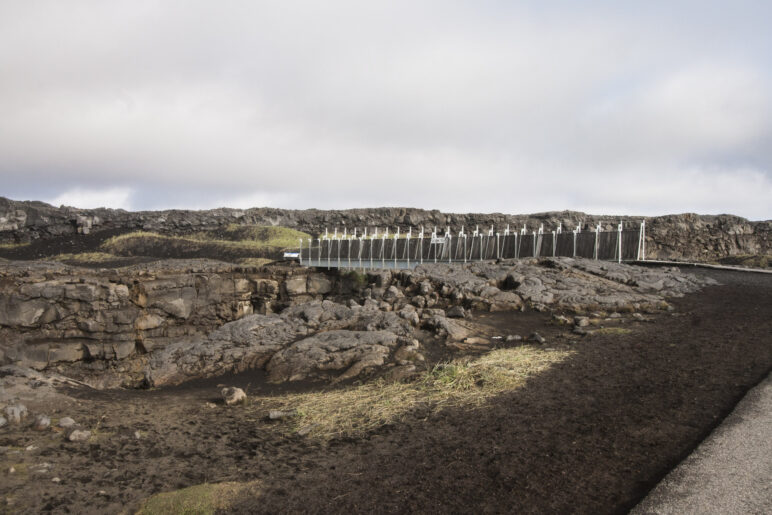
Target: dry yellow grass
point(207, 498)
point(358, 409)
point(255, 261)
point(84, 257)
point(12, 245)
point(247, 237)
point(618, 331)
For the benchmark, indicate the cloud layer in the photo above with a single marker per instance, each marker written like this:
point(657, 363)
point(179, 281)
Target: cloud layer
point(460, 106)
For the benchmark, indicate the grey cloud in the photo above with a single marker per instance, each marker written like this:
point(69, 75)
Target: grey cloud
point(453, 105)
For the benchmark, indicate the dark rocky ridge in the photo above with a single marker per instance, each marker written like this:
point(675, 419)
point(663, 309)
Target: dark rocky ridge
point(682, 237)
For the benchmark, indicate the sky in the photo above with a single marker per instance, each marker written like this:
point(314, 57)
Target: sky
point(607, 107)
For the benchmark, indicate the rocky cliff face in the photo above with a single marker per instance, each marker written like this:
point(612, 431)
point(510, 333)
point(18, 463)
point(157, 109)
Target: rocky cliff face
point(685, 236)
point(175, 320)
point(51, 314)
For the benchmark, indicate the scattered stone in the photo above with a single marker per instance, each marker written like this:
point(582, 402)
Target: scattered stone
point(561, 320)
point(581, 321)
point(456, 312)
point(447, 327)
point(12, 470)
point(66, 422)
point(232, 395)
point(578, 330)
point(639, 317)
point(303, 431)
point(392, 293)
point(30, 448)
point(210, 405)
point(41, 468)
point(56, 480)
point(408, 354)
point(536, 337)
point(16, 413)
point(401, 373)
point(418, 301)
point(138, 435)
point(3, 421)
point(41, 423)
point(410, 314)
point(78, 435)
point(514, 338)
point(615, 315)
point(275, 414)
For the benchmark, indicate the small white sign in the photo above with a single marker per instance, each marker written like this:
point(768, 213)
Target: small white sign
point(436, 240)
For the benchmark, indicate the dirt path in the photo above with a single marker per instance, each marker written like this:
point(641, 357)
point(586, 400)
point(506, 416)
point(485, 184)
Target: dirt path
point(730, 472)
point(593, 434)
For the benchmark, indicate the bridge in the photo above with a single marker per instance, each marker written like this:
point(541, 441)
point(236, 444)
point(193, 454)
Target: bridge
point(407, 250)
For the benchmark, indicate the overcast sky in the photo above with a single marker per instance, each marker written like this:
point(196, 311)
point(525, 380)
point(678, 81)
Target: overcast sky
point(609, 107)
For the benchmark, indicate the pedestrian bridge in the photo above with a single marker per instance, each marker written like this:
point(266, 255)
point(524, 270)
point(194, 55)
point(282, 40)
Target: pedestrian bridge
point(406, 250)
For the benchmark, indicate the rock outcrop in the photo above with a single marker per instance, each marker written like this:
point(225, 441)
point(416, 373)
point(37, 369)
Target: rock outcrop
point(51, 314)
point(173, 321)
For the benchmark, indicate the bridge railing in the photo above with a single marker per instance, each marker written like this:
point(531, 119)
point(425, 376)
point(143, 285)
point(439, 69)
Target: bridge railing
point(406, 251)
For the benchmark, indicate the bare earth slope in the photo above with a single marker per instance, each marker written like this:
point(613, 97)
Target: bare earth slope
point(592, 434)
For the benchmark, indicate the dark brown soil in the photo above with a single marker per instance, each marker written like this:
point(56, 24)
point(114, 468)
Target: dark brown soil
point(591, 435)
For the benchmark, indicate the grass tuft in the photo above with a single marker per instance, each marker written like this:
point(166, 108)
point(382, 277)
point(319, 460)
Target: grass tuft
point(617, 331)
point(9, 246)
point(84, 257)
point(356, 410)
point(255, 261)
point(207, 498)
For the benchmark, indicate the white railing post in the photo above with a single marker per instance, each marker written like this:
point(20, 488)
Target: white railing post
point(619, 242)
point(554, 243)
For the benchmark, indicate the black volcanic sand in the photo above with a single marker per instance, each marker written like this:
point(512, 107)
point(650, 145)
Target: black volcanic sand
point(591, 435)
point(141, 250)
point(65, 244)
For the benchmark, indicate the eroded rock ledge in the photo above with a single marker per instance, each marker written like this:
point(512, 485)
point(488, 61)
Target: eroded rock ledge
point(173, 321)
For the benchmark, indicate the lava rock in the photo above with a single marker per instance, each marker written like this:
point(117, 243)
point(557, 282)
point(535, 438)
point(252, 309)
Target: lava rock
point(275, 414)
point(231, 395)
point(66, 422)
point(581, 321)
point(78, 435)
point(41, 423)
point(456, 312)
point(16, 413)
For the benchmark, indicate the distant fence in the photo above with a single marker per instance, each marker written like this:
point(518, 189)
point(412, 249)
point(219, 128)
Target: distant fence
point(407, 251)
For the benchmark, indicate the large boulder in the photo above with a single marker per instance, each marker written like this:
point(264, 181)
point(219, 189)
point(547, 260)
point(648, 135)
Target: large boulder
point(324, 355)
point(318, 284)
